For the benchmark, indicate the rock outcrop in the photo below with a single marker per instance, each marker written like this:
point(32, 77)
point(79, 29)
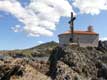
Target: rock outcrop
point(75, 63)
point(102, 45)
point(68, 63)
point(20, 69)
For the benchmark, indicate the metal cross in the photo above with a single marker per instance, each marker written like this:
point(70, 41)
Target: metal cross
point(71, 22)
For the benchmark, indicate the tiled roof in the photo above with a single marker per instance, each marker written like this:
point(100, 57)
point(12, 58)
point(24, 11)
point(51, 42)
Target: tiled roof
point(80, 32)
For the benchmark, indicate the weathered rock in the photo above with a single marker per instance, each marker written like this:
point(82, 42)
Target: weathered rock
point(20, 69)
point(102, 70)
point(80, 61)
point(69, 63)
point(102, 45)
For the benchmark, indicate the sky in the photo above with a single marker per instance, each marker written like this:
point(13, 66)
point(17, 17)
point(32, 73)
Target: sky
point(27, 23)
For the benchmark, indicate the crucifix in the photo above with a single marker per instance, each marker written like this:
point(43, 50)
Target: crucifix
point(71, 22)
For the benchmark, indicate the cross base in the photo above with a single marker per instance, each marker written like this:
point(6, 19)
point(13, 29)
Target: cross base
point(71, 40)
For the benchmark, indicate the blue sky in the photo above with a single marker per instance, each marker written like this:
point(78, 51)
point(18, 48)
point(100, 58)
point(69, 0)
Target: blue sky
point(19, 40)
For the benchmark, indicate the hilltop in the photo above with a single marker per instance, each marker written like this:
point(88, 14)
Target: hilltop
point(69, 63)
point(36, 51)
point(77, 63)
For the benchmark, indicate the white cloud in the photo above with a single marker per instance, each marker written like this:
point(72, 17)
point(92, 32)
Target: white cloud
point(16, 28)
point(39, 17)
point(90, 6)
point(40, 42)
point(103, 39)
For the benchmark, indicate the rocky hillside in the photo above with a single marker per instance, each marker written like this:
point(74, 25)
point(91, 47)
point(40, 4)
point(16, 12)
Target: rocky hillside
point(44, 49)
point(75, 63)
point(21, 69)
point(36, 51)
point(69, 63)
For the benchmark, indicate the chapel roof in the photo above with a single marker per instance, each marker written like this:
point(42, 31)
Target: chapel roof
point(80, 32)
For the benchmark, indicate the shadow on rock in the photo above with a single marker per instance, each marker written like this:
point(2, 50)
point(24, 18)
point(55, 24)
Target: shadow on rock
point(57, 53)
